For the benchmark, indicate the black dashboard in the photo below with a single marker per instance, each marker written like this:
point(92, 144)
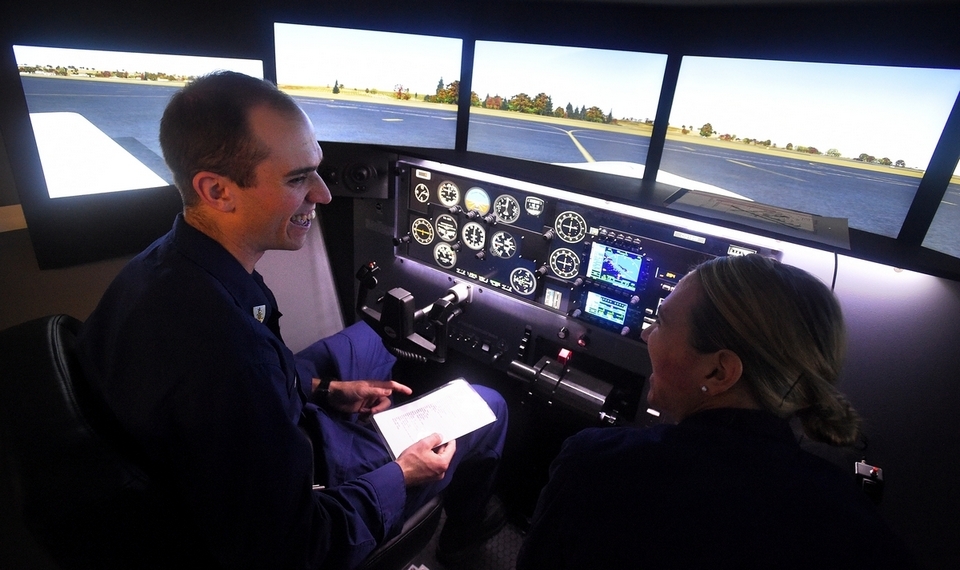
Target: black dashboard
point(550, 286)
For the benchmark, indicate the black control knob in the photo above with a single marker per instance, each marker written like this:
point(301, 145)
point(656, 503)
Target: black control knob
point(541, 271)
point(548, 235)
point(563, 332)
point(481, 255)
point(397, 241)
point(456, 246)
point(583, 341)
point(490, 219)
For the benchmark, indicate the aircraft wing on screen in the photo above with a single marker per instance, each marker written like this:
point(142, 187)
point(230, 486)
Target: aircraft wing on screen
point(79, 159)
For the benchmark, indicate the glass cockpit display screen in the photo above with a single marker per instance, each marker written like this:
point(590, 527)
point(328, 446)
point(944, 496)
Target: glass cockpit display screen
point(604, 307)
point(617, 267)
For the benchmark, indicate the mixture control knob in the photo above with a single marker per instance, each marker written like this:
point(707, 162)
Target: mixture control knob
point(583, 341)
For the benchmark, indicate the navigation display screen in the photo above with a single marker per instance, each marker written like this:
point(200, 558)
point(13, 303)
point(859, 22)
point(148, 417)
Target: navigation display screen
point(617, 267)
point(605, 308)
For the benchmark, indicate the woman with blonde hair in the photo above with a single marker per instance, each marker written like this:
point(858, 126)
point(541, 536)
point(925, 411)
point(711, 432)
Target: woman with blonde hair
point(741, 346)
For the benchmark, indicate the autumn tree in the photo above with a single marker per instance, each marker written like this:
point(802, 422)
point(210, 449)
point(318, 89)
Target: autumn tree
point(594, 114)
point(706, 130)
point(542, 105)
point(521, 102)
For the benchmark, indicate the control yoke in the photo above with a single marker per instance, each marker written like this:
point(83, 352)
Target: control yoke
point(398, 321)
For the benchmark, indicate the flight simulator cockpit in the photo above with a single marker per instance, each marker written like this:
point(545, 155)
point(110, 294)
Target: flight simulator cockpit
point(537, 282)
point(513, 210)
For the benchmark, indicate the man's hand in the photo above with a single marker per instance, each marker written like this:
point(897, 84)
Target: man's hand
point(424, 462)
point(364, 396)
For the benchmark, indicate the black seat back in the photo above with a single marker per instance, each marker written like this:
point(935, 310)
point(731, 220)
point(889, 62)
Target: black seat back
point(87, 505)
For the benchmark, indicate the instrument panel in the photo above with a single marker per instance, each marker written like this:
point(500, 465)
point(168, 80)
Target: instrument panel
point(606, 264)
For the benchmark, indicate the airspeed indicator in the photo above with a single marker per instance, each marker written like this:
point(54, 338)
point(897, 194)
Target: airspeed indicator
point(448, 193)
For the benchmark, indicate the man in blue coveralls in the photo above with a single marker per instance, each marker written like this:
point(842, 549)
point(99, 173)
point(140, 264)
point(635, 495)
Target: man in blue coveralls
point(235, 431)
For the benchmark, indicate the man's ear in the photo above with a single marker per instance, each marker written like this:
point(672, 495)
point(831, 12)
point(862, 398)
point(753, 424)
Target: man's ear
point(728, 368)
point(215, 190)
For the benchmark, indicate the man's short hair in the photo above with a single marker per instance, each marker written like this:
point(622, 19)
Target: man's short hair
point(206, 127)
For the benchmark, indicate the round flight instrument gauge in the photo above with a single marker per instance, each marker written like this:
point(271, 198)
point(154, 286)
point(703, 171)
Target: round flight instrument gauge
point(506, 208)
point(503, 245)
point(448, 193)
point(474, 235)
point(570, 226)
point(447, 227)
point(422, 231)
point(444, 255)
point(523, 281)
point(477, 199)
point(421, 193)
point(565, 263)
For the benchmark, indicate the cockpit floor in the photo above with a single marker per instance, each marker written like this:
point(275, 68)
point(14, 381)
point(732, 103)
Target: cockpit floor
point(499, 553)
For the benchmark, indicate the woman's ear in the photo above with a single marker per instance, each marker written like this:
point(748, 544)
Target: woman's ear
point(215, 190)
point(728, 368)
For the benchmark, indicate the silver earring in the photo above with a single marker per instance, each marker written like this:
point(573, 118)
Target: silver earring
point(703, 389)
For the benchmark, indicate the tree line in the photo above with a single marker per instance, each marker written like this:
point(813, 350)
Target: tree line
point(708, 131)
point(541, 104)
point(71, 71)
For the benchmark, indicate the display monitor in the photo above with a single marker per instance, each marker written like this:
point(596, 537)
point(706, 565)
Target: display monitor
point(81, 129)
point(617, 267)
point(96, 114)
point(605, 308)
point(591, 108)
point(836, 140)
point(373, 87)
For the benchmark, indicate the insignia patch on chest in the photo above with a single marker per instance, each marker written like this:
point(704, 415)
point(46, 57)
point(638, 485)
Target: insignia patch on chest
point(260, 312)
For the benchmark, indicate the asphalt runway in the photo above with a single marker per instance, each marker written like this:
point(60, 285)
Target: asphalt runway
point(873, 201)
